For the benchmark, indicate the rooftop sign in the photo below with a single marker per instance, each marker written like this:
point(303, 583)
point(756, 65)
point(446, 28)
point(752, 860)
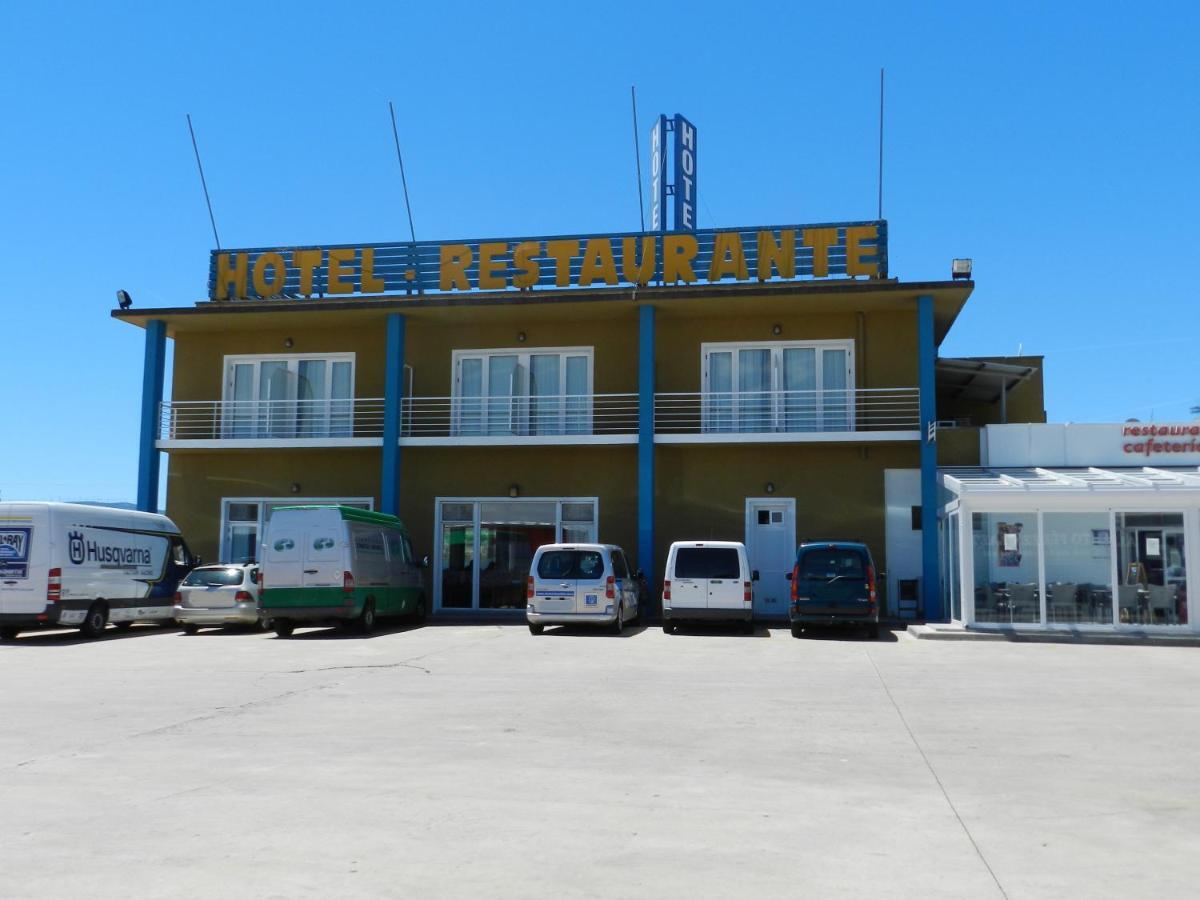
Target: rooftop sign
point(768, 253)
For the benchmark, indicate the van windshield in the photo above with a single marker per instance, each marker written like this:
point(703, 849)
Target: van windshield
point(825, 564)
point(571, 564)
point(206, 577)
point(707, 562)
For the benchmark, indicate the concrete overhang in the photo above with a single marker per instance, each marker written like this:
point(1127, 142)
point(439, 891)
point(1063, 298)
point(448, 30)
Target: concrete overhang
point(768, 298)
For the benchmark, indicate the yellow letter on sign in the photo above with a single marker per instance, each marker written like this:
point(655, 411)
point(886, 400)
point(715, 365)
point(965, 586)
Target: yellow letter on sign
point(635, 271)
point(728, 258)
point(227, 276)
point(781, 256)
point(598, 264)
point(526, 265)
point(491, 270)
point(370, 283)
point(678, 252)
point(306, 261)
point(820, 239)
point(855, 251)
point(274, 287)
point(452, 275)
point(562, 251)
point(337, 257)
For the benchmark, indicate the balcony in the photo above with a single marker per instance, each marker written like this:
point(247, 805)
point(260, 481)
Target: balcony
point(877, 414)
point(872, 414)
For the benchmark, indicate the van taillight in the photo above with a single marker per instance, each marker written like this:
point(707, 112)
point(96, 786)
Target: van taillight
point(243, 597)
point(529, 588)
point(666, 590)
point(870, 584)
point(747, 595)
point(348, 582)
point(54, 586)
point(795, 589)
point(178, 598)
point(610, 587)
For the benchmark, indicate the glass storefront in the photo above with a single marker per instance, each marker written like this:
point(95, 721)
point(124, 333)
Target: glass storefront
point(487, 546)
point(1005, 554)
point(1078, 567)
point(1152, 569)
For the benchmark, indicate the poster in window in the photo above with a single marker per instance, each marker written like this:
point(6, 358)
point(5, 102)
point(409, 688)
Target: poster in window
point(1008, 539)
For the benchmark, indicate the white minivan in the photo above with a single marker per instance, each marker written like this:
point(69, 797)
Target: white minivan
point(708, 581)
point(85, 566)
point(581, 584)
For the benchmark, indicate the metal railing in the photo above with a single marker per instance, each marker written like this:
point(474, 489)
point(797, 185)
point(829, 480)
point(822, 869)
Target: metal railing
point(520, 416)
point(788, 412)
point(532, 417)
point(270, 419)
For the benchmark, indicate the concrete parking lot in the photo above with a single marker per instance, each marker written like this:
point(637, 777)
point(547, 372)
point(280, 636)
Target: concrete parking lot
point(480, 761)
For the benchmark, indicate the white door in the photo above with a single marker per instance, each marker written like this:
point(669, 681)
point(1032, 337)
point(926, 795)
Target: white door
point(771, 547)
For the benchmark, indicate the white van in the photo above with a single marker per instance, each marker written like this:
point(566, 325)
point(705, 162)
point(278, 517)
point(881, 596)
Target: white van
point(338, 564)
point(572, 584)
point(708, 581)
point(86, 566)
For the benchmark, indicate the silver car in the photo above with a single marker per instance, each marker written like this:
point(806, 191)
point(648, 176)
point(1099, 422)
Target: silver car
point(218, 596)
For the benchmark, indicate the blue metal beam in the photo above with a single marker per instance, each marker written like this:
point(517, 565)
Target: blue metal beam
point(931, 596)
point(153, 367)
point(393, 393)
point(646, 442)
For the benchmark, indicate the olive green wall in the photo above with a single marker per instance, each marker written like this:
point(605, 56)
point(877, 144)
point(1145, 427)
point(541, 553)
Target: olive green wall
point(701, 490)
point(197, 482)
point(958, 446)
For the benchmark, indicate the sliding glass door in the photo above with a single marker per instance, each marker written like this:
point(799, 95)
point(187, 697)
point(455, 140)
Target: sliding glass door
point(522, 393)
point(288, 397)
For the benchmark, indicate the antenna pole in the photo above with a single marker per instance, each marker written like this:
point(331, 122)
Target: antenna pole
point(637, 157)
point(881, 143)
point(203, 183)
point(404, 181)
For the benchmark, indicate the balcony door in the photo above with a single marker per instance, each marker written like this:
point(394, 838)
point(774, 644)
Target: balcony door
point(288, 396)
point(523, 392)
point(777, 386)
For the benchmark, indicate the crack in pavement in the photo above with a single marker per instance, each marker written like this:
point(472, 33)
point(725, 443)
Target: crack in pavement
point(929, 765)
point(396, 665)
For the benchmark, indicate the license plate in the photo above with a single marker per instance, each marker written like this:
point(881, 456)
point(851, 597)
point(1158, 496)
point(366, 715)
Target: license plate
point(591, 600)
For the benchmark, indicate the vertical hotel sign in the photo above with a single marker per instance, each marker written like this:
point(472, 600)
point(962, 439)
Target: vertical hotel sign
point(682, 185)
point(658, 175)
point(685, 174)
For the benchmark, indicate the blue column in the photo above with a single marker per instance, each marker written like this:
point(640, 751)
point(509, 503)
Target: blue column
point(931, 596)
point(393, 395)
point(152, 391)
point(646, 442)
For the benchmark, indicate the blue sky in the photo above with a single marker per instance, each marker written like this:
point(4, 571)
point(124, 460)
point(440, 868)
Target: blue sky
point(1055, 144)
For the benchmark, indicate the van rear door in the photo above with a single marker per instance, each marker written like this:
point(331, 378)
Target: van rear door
point(24, 559)
point(554, 581)
point(689, 578)
point(591, 583)
point(725, 584)
point(325, 552)
point(832, 581)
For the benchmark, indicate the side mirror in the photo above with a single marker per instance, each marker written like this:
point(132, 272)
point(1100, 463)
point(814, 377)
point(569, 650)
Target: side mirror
point(754, 575)
point(425, 561)
point(788, 576)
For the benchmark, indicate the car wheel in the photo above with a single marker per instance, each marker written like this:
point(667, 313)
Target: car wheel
point(8, 633)
point(419, 615)
point(618, 625)
point(872, 632)
point(264, 624)
point(365, 623)
point(94, 621)
point(122, 626)
point(282, 628)
point(189, 628)
point(797, 631)
point(536, 629)
point(668, 627)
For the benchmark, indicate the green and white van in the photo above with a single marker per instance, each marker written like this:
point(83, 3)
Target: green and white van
point(337, 564)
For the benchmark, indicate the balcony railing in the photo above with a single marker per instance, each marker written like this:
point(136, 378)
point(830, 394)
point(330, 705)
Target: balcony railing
point(201, 420)
point(788, 412)
point(508, 416)
point(572, 418)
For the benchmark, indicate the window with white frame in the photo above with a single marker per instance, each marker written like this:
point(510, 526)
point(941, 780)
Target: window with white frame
point(523, 392)
point(243, 520)
point(770, 386)
point(288, 396)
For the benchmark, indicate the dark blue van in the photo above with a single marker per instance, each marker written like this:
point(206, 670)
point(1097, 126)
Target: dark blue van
point(833, 583)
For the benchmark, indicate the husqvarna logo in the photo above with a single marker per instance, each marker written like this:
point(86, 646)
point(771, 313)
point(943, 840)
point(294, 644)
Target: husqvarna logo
point(75, 548)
